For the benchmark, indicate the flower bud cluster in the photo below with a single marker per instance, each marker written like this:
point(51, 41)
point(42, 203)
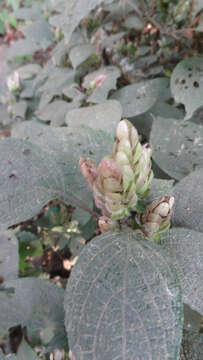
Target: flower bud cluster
point(157, 215)
point(122, 177)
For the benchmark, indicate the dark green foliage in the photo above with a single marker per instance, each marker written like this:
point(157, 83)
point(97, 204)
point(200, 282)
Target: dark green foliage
point(85, 66)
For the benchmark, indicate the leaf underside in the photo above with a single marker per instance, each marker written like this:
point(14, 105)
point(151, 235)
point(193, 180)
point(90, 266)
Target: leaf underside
point(123, 301)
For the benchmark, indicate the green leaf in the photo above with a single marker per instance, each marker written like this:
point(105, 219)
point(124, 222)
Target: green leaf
point(28, 71)
point(25, 352)
point(189, 201)
point(143, 122)
point(51, 83)
point(78, 54)
point(19, 109)
point(187, 84)
point(104, 116)
point(39, 173)
point(33, 13)
point(138, 98)
point(29, 179)
point(59, 53)
point(100, 82)
point(36, 304)
point(29, 245)
point(64, 144)
point(192, 319)
point(8, 255)
point(185, 249)
point(159, 188)
point(38, 32)
point(134, 22)
point(177, 146)
point(12, 21)
point(123, 301)
point(55, 112)
point(22, 47)
point(38, 36)
point(192, 346)
point(75, 11)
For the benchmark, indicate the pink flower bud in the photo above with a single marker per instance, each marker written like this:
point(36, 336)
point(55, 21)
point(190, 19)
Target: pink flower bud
point(89, 170)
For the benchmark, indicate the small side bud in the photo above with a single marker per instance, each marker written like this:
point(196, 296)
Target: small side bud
point(107, 224)
point(157, 215)
point(89, 170)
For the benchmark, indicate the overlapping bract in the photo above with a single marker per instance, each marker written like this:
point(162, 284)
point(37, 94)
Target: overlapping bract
point(157, 215)
point(122, 177)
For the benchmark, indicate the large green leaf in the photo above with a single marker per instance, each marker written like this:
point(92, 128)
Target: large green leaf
point(64, 144)
point(104, 116)
point(123, 301)
point(36, 174)
point(138, 98)
point(177, 146)
point(36, 304)
point(8, 255)
point(185, 249)
point(29, 179)
point(187, 84)
point(188, 207)
point(143, 122)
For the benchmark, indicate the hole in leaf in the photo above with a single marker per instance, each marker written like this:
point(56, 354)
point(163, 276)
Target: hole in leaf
point(190, 75)
point(189, 69)
point(183, 81)
point(196, 84)
point(186, 87)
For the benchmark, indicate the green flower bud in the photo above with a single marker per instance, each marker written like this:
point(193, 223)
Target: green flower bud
point(121, 158)
point(137, 153)
point(122, 131)
point(126, 132)
point(121, 177)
